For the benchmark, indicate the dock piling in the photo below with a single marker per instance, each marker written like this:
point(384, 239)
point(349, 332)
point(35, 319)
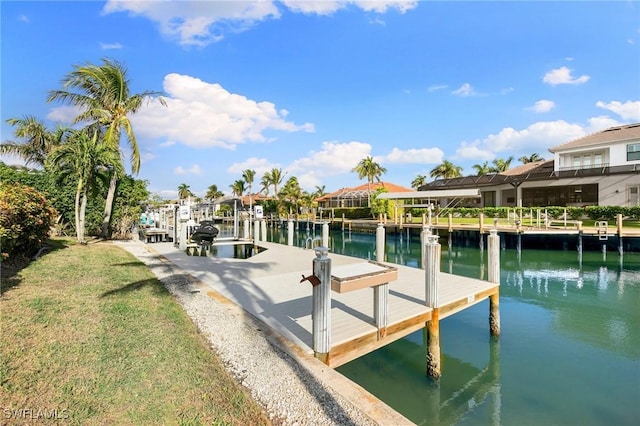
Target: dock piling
point(493, 242)
point(321, 314)
point(431, 260)
point(325, 234)
point(381, 292)
point(290, 232)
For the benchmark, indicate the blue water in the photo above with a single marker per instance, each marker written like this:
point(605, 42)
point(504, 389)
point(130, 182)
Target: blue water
point(568, 353)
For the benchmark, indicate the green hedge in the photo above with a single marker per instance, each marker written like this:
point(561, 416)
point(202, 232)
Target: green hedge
point(26, 217)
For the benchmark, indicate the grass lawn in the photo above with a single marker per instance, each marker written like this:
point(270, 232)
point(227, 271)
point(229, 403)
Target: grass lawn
point(88, 334)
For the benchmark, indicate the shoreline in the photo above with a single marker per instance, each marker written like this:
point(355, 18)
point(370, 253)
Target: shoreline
point(293, 387)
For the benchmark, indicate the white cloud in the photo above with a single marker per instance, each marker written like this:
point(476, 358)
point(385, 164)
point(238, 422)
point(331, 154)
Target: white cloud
point(199, 23)
point(436, 87)
point(506, 90)
point(110, 46)
point(543, 105)
point(629, 110)
point(563, 76)
point(412, 156)
point(63, 114)
point(23, 18)
point(167, 143)
point(334, 158)
point(327, 7)
point(201, 114)
point(537, 137)
point(193, 170)
point(473, 151)
point(260, 165)
point(465, 90)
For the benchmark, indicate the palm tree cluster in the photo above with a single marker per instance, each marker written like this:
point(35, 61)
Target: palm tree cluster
point(104, 102)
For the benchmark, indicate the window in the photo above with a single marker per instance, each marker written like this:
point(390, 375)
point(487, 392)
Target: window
point(633, 152)
point(634, 196)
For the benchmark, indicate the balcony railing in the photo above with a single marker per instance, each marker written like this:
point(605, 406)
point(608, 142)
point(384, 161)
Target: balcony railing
point(600, 166)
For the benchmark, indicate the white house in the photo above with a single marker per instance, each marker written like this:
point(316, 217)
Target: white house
point(599, 169)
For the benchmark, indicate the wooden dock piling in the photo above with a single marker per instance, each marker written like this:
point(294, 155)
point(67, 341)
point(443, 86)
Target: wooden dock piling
point(494, 277)
point(431, 261)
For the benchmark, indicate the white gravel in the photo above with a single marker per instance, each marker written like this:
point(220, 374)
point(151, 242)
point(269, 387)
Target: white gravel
point(290, 393)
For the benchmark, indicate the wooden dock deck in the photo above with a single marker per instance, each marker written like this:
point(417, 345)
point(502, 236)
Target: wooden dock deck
point(268, 287)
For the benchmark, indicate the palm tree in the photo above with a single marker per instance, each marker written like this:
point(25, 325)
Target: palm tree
point(446, 170)
point(501, 165)
point(273, 177)
point(184, 191)
point(104, 100)
point(291, 193)
point(531, 158)
point(319, 192)
point(419, 181)
point(213, 193)
point(84, 158)
point(248, 176)
point(37, 141)
point(238, 188)
point(265, 183)
point(482, 169)
point(371, 170)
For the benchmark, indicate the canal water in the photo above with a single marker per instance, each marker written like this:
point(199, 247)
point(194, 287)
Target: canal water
point(568, 353)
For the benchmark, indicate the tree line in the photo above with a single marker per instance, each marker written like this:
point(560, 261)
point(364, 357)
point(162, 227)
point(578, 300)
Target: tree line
point(88, 153)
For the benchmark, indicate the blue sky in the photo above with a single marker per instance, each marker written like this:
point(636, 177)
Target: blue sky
point(313, 87)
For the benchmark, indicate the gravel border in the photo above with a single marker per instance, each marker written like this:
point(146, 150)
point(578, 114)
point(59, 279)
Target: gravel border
point(293, 388)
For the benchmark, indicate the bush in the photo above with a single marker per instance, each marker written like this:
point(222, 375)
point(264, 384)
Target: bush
point(26, 217)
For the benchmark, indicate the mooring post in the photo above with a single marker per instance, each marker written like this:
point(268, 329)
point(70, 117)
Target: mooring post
point(256, 231)
point(321, 314)
point(619, 225)
point(245, 229)
point(494, 277)
point(263, 228)
point(431, 260)
point(426, 231)
point(325, 234)
point(381, 292)
point(290, 232)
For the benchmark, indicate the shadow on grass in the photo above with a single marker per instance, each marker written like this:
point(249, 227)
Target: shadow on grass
point(154, 283)
point(10, 268)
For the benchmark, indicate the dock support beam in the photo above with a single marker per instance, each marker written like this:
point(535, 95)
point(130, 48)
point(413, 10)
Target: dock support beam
point(322, 305)
point(431, 260)
point(494, 277)
point(245, 229)
point(381, 292)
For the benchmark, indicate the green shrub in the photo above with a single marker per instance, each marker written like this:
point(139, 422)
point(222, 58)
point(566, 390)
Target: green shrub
point(26, 217)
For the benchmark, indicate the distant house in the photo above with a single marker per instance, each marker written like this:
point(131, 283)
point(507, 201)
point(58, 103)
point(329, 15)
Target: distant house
point(357, 196)
point(599, 169)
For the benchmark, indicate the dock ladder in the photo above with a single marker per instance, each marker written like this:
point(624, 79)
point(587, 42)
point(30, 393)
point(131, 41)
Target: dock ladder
point(602, 226)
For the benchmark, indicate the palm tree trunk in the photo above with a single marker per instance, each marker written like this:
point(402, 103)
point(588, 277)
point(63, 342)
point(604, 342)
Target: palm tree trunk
point(81, 221)
point(77, 209)
point(108, 207)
